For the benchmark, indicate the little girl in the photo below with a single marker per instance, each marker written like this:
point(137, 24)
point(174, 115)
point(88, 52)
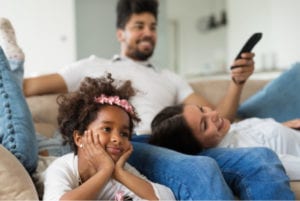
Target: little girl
point(191, 129)
point(97, 121)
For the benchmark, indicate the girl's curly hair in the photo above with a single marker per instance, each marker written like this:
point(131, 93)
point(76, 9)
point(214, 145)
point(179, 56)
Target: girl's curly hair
point(78, 109)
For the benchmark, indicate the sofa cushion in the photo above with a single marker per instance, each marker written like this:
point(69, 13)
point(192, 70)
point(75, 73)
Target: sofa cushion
point(215, 89)
point(16, 183)
point(38, 176)
point(44, 110)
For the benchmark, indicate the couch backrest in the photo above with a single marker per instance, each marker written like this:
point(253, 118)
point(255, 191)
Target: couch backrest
point(44, 108)
point(214, 90)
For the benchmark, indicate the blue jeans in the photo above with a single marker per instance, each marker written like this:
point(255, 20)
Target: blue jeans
point(279, 99)
point(16, 127)
point(214, 174)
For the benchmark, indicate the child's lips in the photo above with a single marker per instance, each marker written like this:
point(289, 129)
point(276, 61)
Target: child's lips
point(114, 150)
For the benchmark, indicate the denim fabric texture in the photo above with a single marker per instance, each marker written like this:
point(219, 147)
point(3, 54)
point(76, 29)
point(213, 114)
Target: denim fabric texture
point(252, 173)
point(215, 174)
point(54, 145)
point(17, 70)
point(16, 127)
point(279, 99)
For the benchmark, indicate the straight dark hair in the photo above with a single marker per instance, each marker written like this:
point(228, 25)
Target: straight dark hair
point(170, 130)
point(125, 8)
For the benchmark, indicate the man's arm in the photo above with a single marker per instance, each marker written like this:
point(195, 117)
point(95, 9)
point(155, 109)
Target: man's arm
point(45, 84)
point(228, 105)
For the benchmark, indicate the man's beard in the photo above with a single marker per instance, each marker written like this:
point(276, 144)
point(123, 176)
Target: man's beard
point(141, 56)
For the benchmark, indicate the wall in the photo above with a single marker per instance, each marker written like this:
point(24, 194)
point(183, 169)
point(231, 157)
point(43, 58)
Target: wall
point(95, 28)
point(278, 20)
point(194, 51)
point(45, 31)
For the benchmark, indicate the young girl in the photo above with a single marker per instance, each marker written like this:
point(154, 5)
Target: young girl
point(97, 121)
point(191, 129)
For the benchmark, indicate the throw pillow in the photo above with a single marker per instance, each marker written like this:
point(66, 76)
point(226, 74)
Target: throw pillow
point(16, 183)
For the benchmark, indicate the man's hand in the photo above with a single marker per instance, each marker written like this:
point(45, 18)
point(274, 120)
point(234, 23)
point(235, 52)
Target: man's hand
point(242, 68)
point(295, 124)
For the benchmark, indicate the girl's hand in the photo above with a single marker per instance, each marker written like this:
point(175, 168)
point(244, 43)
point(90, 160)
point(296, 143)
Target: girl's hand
point(119, 166)
point(95, 154)
point(295, 124)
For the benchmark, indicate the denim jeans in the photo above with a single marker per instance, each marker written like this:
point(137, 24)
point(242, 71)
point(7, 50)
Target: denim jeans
point(16, 127)
point(279, 99)
point(214, 174)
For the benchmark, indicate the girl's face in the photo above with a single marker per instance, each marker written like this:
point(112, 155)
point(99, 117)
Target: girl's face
point(113, 128)
point(206, 124)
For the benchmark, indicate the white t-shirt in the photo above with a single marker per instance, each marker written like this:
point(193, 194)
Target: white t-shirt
point(256, 132)
point(62, 176)
point(156, 89)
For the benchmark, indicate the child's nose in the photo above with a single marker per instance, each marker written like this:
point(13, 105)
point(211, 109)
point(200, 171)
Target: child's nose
point(116, 137)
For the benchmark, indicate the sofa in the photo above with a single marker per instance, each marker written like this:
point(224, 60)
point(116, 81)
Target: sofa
point(15, 182)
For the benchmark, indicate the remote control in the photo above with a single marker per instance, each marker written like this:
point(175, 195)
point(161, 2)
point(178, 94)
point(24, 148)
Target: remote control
point(249, 45)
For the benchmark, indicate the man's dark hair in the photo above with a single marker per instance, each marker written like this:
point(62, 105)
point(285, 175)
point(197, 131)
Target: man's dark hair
point(125, 8)
point(170, 130)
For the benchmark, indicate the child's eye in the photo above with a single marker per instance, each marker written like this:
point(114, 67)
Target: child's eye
point(106, 129)
point(125, 134)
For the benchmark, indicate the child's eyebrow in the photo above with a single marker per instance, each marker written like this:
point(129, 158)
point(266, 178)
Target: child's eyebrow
point(125, 126)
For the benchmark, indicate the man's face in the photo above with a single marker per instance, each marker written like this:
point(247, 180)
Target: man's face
point(138, 38)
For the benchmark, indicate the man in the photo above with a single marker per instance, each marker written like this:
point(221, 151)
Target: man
point(215, 173)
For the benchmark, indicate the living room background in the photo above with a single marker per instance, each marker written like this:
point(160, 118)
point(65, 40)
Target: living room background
point(54, 33)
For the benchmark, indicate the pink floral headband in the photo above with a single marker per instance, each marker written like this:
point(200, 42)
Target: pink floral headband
point(115, 100)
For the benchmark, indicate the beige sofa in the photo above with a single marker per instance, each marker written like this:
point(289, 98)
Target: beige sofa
point(16, 184)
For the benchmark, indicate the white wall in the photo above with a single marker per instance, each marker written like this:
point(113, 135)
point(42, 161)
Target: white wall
point(277, 19)
point(95, 28)
point(193, 51)
point(45, 31)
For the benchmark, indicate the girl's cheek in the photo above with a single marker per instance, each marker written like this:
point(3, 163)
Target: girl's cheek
point(127, 144)
point(102, 139)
